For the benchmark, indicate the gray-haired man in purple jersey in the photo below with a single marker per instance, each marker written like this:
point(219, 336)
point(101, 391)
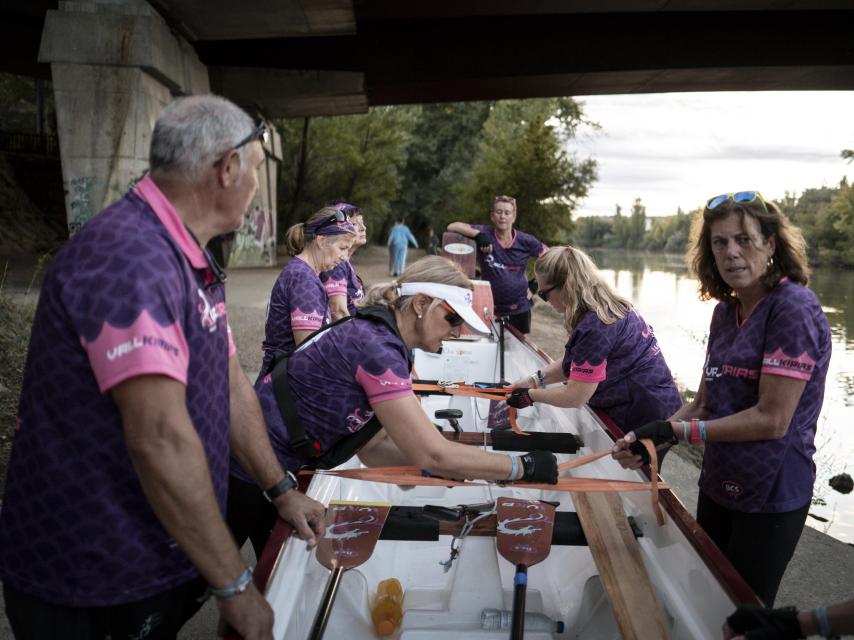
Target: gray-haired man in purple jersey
point(133, 401)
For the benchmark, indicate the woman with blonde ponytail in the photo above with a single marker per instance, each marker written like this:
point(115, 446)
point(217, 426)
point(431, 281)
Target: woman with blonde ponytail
point(612, 360)
point(350, 389)
point(298, 303)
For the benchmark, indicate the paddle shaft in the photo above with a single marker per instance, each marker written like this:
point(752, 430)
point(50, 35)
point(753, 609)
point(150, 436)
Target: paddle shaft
point(520, 587)
point(325, 608)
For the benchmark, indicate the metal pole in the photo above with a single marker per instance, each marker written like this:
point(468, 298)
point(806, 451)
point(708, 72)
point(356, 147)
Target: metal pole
point(325, 607)
point(501, 347)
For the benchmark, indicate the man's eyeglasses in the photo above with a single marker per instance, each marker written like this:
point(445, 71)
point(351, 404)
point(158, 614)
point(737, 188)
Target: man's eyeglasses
point(261, 133)
point(544, 293)
point(452, 317)
point(744, 197)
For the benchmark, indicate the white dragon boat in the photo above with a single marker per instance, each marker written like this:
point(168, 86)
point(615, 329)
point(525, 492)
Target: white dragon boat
point(647, 581)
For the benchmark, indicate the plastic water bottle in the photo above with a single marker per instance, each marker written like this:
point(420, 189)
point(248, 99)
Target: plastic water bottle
point(500, 619)
point(387, 611)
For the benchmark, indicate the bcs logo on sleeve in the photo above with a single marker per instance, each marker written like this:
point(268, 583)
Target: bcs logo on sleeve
point(732, 488)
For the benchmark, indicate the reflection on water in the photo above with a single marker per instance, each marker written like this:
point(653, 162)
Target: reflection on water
point(666, 296)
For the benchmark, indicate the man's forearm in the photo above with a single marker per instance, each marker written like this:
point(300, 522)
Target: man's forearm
point(250, 443)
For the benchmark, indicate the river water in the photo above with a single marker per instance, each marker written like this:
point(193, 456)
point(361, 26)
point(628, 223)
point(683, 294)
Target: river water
point(666, 296)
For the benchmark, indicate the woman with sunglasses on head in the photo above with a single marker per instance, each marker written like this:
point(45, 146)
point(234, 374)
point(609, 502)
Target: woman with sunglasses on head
point(298, 303)
point(348, 390)
point(761, 391)
point(503, 254)
point(612, 360)
point(343, 285)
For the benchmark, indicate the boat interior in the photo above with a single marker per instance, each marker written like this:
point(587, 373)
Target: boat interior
point(445, 601)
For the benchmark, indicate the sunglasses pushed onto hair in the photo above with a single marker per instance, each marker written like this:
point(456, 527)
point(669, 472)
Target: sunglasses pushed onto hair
point(741, 197)
point(335, 218)
point(261, 133)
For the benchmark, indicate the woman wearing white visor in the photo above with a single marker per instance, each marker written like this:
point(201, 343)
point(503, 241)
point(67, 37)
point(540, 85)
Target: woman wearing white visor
point(347, 390)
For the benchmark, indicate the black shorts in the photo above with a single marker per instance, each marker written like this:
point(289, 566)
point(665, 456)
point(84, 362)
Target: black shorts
point(759, 545)
point(159, 617)
point(249, 514)
point(522, 321)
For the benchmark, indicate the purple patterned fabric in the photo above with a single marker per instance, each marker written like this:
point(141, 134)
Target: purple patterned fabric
point(786, 334)
point(298, 302)
point(506, 269)
point(76, 528)
point(635, 384)
point(343, 280)
point(351, 367)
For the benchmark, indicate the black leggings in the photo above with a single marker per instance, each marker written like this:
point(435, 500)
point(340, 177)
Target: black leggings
point(159, 617)
point(759, 545)
point(249, 514)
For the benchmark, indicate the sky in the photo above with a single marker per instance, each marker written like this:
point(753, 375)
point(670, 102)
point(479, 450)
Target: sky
point(680, 149)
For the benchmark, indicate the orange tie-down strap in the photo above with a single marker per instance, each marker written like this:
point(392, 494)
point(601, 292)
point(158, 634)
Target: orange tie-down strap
point(413, 476)
point(462, 389)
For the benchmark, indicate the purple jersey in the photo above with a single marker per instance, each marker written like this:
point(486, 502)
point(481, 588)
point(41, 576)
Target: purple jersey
point(130, 294)
point(634, 382)
point(351, 366)
point(506, 269)
point(298, 302)
point(786, 334)
point(344, 281)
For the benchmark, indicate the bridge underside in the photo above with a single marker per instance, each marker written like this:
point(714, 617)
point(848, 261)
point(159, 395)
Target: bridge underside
point(115, 63)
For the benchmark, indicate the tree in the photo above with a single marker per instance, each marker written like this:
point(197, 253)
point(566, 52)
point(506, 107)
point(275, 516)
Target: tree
point(524, 153)
point(445, 138)
point(357, 158)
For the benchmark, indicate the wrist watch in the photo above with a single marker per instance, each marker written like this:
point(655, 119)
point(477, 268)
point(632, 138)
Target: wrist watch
point(282, 486)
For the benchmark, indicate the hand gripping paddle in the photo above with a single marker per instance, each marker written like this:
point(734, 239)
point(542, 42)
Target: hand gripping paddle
point(524, 537)
point(352, 529)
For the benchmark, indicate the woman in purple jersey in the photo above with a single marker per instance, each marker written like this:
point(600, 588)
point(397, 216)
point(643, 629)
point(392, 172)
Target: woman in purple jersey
point(298, 303)
point(350, 388)
point(503, 256)
point(343, 285)
point(612, 360)
point(761, 391)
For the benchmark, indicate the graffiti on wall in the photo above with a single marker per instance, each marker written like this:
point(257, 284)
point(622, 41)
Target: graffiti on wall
point(255, 242)
point(79, 202)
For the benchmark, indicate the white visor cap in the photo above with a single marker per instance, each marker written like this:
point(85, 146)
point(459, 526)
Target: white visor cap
point(459, 298)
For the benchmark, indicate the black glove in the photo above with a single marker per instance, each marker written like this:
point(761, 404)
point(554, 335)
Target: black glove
point(539, 466)
point(519, 399)
point(483, 240)
point(756, 623)
point(659, 431)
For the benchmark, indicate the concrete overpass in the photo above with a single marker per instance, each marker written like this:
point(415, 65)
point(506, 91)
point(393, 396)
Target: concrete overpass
point(114, 63)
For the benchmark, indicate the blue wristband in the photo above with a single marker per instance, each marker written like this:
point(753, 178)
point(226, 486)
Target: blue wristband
point(703, 430)
point(514, 469)
point(822, 622)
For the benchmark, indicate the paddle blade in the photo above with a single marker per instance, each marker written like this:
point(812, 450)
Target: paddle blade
point(352, 529)
point(524, 533)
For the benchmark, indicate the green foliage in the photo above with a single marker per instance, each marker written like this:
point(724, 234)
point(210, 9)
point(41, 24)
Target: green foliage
point(670, 234)
point(524, 153)
point(357, 158)
point(445, 139)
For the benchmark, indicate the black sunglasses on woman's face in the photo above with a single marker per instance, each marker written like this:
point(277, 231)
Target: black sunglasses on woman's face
point(544, 293)
point(452, 317)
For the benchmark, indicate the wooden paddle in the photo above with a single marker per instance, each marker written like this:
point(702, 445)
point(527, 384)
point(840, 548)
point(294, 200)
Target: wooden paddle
point(524, 537)
point(352, 530)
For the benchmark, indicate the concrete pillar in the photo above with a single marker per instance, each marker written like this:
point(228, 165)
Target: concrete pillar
point(115, 64)
point(254, 244)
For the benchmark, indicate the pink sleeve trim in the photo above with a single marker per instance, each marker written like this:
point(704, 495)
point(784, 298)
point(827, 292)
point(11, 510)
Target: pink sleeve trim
point(143, 348)
point(335, 287)
point(387, 386)
point(586, 372)
point(544, 249)
point(232, 348)
point(305, 320)
point(780, 364)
